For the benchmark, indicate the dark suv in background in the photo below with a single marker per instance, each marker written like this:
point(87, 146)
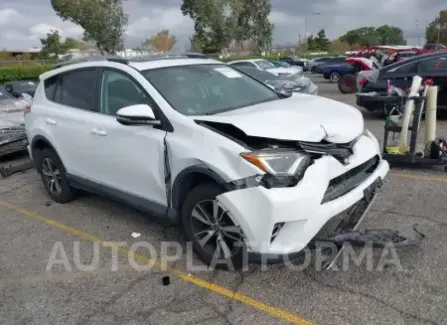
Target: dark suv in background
point(428, 66)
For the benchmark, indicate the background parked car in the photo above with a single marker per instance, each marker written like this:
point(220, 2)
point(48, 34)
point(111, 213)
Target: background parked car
point(283, 64)
point(428, 66)
point(332, 61)
point(313, 64)
point(265, 65)
point(12, 130)
point(294, 60)
point(293, 83)
point(17, 88)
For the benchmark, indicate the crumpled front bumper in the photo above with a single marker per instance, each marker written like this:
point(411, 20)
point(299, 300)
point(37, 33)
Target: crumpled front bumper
point(301, 209)
point(12, 140)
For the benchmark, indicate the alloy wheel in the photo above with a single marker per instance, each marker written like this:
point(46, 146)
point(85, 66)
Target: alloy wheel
point(214, 230)
point(52, 176)
point(334, 77)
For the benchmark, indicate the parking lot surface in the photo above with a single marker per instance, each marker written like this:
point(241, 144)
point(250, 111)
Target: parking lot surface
point(46, 249)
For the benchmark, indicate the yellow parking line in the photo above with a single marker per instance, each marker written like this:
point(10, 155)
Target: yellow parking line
point(420, 177)
point(230, 294)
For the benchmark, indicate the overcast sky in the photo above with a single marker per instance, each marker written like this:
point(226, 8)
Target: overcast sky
point(24, 22)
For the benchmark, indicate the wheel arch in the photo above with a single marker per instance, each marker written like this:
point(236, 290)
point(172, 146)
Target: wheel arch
point(39, 143)
point(191, 177)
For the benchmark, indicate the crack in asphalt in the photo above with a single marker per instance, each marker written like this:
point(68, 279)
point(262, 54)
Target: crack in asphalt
point(111, 301)
point(374, 298)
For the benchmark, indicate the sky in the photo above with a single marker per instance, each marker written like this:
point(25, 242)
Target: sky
point(24, 22)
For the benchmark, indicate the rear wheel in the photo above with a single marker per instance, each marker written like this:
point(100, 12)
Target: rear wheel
point(216, 239)
point(347, 84)
point(334, 76)
point(54, 177)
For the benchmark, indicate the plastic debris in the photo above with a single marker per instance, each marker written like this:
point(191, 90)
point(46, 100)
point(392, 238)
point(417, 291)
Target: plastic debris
point(135, 234)
point(166, 280)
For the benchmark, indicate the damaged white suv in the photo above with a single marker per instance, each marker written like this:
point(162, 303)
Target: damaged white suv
point(194, 142)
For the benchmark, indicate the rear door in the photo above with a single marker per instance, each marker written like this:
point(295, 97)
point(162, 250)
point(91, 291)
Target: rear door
point(400, 76)
point(71, 112)
point(435, 68)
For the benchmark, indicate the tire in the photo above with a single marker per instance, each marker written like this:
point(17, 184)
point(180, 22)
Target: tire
point(202, 198)
point(313, 70)
point(334, 77)
point(347, 84)
point(50, 166)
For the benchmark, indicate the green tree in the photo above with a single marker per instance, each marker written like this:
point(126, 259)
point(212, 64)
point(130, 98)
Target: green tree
point(321, 41)
point(311, 44)
point(103, 21)
point(370, 36)
point(253, 24)
point(219, 22)
point(392, 35)
point(436, 31)
point(53, 46)
point(163, 41)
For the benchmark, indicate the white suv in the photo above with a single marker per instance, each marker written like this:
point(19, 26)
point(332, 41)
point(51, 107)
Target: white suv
point(194, 142)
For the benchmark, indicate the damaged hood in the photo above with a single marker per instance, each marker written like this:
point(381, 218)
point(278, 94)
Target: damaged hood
point(300, 117)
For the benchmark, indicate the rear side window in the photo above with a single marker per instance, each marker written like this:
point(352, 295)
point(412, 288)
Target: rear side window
point(434, 64)
point(78, 89)
point(50, 87)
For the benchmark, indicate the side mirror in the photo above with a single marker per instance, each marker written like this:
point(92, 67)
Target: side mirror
point(16, 94)
point(139, 114)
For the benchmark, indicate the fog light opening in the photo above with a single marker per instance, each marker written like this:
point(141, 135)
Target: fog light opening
point(276, 229)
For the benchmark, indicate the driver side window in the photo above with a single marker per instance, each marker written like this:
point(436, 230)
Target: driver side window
point(118, 90)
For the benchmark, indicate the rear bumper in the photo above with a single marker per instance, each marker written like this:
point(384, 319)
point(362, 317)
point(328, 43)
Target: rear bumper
point(372, 103)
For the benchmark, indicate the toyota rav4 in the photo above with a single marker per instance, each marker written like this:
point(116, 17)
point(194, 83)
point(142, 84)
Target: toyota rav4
point(195, 142)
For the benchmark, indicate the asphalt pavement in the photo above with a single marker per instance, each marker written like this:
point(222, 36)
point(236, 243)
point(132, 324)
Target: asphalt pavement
point(58, 264)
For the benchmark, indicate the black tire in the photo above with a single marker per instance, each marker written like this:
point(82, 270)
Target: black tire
point(313, 70)
point(347, 84)
point(334, 76)
point(66, 193)
point(205, 193)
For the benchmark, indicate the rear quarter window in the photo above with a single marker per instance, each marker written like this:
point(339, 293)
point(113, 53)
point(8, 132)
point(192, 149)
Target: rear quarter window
point(50, 87)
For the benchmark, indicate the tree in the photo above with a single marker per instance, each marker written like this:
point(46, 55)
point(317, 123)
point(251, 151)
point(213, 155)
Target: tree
point(219, 22)
point(338, 46)
point(321, 41)
point(311, 45)
point(102, 20)
point(253, 24)
point(370, 36)
point(436, 31)
point(163, 41)
point(53, 46)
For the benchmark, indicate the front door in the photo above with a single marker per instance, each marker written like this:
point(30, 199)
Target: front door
point(127, 159)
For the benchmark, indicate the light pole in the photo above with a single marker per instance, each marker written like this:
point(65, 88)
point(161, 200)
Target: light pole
point(417, 29)
point(305, 23)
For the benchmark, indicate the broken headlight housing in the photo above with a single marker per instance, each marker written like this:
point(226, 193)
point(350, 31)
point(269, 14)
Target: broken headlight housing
point(283, 168)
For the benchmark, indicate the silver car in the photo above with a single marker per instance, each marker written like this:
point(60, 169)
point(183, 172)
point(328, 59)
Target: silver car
point(291, 83)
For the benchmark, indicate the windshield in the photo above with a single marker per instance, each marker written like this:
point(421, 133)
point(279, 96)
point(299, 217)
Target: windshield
point(208, 89)
point(4, 94)
point(260, 75)
point(264, 64)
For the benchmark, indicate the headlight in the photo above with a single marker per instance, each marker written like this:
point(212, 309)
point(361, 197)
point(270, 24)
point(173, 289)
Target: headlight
point(283, 168)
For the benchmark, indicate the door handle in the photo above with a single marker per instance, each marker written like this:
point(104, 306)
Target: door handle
point(50, 121)
point(99, 132)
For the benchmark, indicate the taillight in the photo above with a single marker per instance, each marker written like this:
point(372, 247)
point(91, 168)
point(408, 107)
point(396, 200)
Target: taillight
point(27, 109)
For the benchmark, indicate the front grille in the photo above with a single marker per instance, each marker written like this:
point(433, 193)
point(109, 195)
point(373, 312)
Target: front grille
point(346, 182)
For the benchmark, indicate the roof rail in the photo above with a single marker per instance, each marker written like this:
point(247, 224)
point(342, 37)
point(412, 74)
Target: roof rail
point(111, 58)
point(167, 56)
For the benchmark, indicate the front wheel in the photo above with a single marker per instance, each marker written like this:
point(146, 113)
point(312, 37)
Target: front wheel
point(334, 77)
point(216, 239)
point(347, 84)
